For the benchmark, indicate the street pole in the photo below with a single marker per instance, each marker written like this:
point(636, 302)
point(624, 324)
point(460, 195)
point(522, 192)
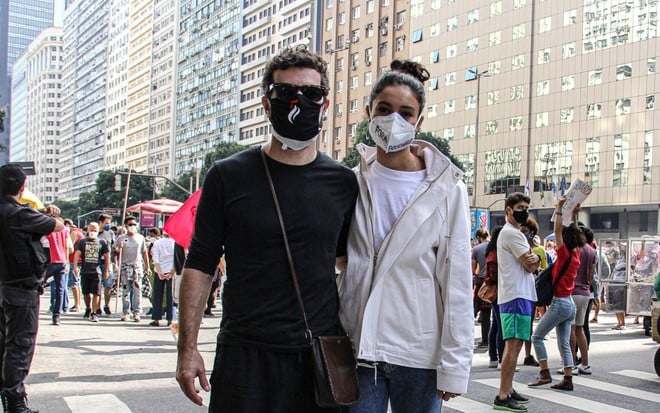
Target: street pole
point(476, 138)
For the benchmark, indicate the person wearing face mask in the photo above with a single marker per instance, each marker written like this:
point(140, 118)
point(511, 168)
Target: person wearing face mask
point(264, 359)
point(132, 249)
point(106, 233)
point(406, 291)
point(91, 261)
point(516, 295)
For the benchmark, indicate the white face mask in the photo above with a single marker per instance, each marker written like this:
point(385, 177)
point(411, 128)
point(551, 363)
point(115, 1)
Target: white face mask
point(92, 234)
point(293, 144)
point(132, 229)
point(392, 133)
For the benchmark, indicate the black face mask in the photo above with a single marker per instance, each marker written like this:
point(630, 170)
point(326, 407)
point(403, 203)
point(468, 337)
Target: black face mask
point(298, 119)
point(521, 216)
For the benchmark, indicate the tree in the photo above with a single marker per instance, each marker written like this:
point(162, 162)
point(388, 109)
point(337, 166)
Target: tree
point(221, 151)
point(352, 157)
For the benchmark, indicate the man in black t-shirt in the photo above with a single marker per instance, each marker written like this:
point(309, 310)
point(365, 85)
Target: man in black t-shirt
point(20, 280)
point(92, 258)
point(265, 362)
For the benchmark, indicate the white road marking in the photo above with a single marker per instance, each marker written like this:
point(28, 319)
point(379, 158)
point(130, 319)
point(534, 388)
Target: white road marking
point(636, 374)
point(463, 404)
point(96, 403)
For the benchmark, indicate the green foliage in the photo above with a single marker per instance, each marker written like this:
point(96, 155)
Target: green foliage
point(2, 127)
point(352, 157)
point(221, 151)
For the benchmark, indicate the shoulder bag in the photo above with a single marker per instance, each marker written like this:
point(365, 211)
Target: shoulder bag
point(487, 292)
point(545, 288)
point(335, 367)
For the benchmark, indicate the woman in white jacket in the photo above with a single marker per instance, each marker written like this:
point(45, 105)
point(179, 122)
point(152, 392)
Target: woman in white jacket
point(406, 292)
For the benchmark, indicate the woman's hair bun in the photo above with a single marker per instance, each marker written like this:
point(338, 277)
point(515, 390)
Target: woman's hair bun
point(414, 69)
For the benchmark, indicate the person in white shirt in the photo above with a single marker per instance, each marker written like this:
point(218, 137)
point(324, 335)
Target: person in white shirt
point(162, 254)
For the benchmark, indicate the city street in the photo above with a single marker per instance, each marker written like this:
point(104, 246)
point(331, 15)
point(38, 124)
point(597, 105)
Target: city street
point(122, 367)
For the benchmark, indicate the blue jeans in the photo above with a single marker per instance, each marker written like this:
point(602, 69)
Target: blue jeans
point(495, 340)
point(131, 283)
point(409, 390)
point(160, 287)
point(59, 299)
point(560, 315)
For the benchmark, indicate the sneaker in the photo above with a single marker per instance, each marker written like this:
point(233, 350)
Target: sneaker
point(530, 361)
point(584, 369)
point(508, 404)
point(493, 364)
point(574, 371)
point(87, 312)
point(155, 323)
point(93, 318)
point(519, 397)
point(106, 310)
point(136, 318)
point(99, 312)
point(73, 309)
point(124, 317)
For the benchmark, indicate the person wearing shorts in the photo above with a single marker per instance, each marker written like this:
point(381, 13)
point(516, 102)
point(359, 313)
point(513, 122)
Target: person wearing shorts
point(581, 297)
point(90, 253)
point(516, 296)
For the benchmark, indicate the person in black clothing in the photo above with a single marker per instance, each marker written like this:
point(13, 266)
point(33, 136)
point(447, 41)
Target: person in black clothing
point(21, 271)
point(263, 359)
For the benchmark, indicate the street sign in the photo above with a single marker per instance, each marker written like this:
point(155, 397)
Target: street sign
point(112, 211)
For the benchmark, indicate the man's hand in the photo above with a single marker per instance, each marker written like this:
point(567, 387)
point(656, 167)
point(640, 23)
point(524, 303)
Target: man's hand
point(445, 395)
point(190, 365)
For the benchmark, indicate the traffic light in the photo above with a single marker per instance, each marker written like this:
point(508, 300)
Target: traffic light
point(117, 182)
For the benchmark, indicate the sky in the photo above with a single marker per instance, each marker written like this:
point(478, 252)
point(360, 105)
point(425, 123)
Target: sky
point(59, 13)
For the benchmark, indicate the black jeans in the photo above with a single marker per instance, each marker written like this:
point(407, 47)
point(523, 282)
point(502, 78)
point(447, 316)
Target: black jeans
point(252, 379)
point(19, 321)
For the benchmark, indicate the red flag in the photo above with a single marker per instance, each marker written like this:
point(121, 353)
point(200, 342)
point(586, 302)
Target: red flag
point(181, 224)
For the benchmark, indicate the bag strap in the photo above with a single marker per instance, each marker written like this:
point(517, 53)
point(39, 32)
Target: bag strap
point(308, 332)
point(562, 271)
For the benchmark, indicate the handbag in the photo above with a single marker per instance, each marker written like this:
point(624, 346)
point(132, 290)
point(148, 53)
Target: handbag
point(545, 288)
point(487, 292)
point(334, 365)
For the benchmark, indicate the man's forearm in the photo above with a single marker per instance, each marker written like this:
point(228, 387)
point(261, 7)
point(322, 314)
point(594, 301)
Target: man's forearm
point(193, 294)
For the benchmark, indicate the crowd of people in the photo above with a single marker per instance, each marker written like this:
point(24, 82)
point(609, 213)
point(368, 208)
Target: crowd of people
point(382, 254)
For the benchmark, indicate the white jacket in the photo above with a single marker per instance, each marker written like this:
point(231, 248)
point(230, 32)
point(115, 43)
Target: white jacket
point(412, 304)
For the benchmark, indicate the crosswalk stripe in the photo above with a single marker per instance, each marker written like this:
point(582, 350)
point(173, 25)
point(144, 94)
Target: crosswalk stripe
point(96, 403)
point(463, 404)
point(559, 397)
point(636, 374)
point(615, 388)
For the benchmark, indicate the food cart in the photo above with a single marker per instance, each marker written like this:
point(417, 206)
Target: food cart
point(634, 264)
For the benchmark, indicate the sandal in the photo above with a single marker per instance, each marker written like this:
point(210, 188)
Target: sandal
point(594, 320)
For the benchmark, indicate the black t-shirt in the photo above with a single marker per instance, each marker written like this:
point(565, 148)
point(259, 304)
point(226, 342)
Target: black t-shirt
point(91, 253)
point(236, 216)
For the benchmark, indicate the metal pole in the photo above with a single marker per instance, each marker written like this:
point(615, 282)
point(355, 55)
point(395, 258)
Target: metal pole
point(476, 144)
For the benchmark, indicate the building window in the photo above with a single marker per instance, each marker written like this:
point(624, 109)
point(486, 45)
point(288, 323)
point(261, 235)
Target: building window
point(494, 67)
point(517, 92)
point(501, 170)
point(623, 72)
point(469, 131)
point(494, 38)
point(367, 79)
point(543, 88)
point(543, 56)
point(452, 23)
point(595, 77)
point(568, 50)
point(472, 45)
point(517, 4)
point(648, 148)
point(545, 24)
point(519, 31)
point(567, 83)
point(434, 56)
point(621, 165)
point(328, 24)
point(541, 119)
point(339, 109)
point(452, 50)
point(433, 84)
point(355, 13)
point(353, 105)
point(340, 86)
point(491, 127)
point(515, 123)
point(432, 111)
point(594, 111)
point(518, 62)
point(493, 97)
point(338, 132)
point(496, 8)
point(354, 82)
point(450, 106)
point(435, 4)
point(650, 66)
point(417, 36)
point(592, 161)
point(473, 16)
point(416, 8)
point(450, 78)
point(566, 115)
point(570, 17)
point(650, 102)
point(341, 18)
point(552, 160)
point(448, 134)
point(368, 56)
point(370, 6)
point(434, 30)
point(470, 102)
point(382, 49)
point(622, 107)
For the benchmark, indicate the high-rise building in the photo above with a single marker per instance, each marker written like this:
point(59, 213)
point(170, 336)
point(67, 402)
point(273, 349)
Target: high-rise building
point(117, 84)
point(20, 22)
point(36, 104)
point(85, 43)
point(207, 82)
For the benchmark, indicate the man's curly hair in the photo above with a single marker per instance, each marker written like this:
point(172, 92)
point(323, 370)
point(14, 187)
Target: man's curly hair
point(299, 56)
